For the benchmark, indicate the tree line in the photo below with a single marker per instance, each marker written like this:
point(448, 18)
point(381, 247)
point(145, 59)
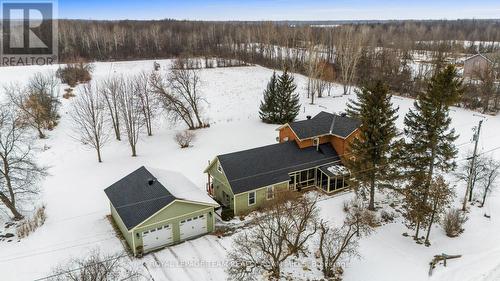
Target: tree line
point(350, 54)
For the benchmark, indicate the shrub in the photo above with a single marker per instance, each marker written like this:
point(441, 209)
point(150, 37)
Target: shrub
point(68, 93)
point(184, 138)
point(30, 225)
point(386, 216)
point(346, 206)
point(453, 222)
point(75, 73)
point(227, 214)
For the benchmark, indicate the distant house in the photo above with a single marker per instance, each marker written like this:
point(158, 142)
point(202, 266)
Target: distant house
point(309, 154)
point(155, 208)
point(477, 64)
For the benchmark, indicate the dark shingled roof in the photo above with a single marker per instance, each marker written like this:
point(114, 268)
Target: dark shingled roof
point(321, 124)
point(259, 167)
point(135, 200)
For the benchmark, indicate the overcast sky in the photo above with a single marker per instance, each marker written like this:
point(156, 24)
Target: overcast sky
point(278, 9)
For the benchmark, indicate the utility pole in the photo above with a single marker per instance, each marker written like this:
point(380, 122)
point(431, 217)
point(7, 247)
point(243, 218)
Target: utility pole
point(470, 182)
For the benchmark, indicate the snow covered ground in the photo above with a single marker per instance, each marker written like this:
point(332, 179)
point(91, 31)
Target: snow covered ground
point(77, 206)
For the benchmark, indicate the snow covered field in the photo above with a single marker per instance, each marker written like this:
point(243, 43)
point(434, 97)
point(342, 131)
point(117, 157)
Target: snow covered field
point(77, 205)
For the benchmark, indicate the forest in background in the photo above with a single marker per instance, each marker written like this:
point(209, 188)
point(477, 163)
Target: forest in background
point(401, 53)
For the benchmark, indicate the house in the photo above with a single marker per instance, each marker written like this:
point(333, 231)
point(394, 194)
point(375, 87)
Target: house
point(155, 208)
point(309, 154)
point(477, 64)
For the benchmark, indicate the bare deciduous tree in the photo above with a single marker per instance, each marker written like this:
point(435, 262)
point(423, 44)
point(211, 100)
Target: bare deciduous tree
point(303, 218)
point(180, 95)
point(283, 231)
point(131, 113)
point(97, 266)
point(262, 248)
point(110, 90)
point(37, 102)
point(89, 118)
point(148, 104)
point(488, 182)
point(19, 172)
point(348, 51)
point(338, 245)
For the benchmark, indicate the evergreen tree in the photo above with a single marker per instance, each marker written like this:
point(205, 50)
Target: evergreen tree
point(280, 104)
point(288, 102)
point(371, 152)
point(267, 110)
point(429, 147)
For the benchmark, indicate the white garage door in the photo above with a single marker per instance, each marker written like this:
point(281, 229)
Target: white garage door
point(193, 226)
point(157, 237)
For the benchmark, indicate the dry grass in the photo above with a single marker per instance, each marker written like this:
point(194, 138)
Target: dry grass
point(28, 226)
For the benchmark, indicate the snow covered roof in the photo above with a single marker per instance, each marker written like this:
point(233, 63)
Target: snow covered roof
point(333, 170)
point(145, 191)
point(180, 186)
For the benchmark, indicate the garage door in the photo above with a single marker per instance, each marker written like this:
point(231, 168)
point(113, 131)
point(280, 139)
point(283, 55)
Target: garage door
point(157, 237)
point(193, 226)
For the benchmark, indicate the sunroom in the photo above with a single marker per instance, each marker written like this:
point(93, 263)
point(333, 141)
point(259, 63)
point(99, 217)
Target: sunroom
point(332, 177)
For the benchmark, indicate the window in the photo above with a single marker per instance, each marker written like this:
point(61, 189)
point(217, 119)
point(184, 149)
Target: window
point(270, 192)
point(316, 141)
point(285, 139)
point(251, 198)
point(219, 167)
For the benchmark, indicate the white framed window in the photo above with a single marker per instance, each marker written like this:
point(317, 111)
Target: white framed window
point(219, 167)
point(251, 198)
point(270, 192)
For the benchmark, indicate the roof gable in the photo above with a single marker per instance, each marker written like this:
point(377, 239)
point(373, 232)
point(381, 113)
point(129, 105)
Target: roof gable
point(135, 199)
point(325, 123)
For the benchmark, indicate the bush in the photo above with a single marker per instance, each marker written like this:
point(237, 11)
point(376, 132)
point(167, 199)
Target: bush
point(68, 93)
point(453, 222)
point(346, 205)
point(387, 216)
point(227, 214)
point(30, 225)
point(75, 73)
point(184, 138)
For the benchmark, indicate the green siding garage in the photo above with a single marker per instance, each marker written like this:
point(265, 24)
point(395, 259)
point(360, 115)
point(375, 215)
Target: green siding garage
point(155, 208)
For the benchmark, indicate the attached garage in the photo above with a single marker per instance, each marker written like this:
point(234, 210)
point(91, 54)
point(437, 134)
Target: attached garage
point(155, 208)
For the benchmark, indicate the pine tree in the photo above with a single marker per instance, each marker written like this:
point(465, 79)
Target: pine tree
point(430, 147)
point(280, 104)
point(288, 102)
point(267, 110)
point(371, 152)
